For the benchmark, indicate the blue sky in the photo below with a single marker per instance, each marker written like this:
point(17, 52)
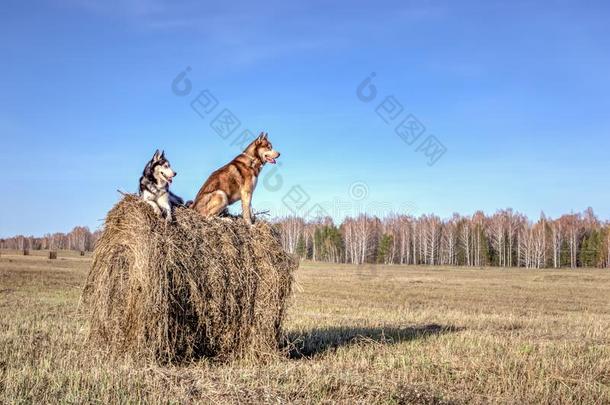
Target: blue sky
point(517, 92)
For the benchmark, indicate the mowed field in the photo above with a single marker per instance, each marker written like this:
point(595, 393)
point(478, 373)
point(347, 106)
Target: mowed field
point(374, 334)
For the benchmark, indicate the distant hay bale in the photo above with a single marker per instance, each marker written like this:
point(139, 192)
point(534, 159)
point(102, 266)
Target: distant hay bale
point(52, 255)
point(26, 252)
point(82, 252)
point(194, 288)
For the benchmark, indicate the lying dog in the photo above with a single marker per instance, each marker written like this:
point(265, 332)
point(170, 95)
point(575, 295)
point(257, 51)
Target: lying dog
point(154, 186)
point(236, 180)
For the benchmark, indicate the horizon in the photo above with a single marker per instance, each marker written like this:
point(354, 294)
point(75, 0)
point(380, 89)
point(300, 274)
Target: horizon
point(603, 222)
point(515, 97)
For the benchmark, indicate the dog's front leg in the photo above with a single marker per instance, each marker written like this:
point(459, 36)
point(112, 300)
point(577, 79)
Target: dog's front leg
point(175, 200)
point(165, 205)
point(154, 206)
point(246, 205)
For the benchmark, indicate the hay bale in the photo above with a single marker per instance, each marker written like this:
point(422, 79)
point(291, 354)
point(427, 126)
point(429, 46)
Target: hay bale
point(26, 252)
point(52, 255)
point(197, 287)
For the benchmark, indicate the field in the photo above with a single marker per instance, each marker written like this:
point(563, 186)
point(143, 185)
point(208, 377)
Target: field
point(361, 334)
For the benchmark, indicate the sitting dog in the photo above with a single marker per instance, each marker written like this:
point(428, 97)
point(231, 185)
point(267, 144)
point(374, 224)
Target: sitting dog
point(236, 180)
point(154, 186)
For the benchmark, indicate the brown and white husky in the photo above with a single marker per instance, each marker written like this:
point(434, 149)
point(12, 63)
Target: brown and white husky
point(236, 180)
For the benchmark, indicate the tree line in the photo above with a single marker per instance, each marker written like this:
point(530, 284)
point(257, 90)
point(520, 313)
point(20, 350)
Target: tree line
point(504, 239)
point(80, 239)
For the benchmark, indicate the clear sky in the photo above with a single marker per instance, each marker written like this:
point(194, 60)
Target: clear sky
point(518, 93)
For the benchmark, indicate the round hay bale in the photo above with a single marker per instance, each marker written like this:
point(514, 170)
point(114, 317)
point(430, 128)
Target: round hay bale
point(188, 289)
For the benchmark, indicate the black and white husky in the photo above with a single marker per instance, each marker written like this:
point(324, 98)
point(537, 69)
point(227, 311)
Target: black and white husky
point(154, 185)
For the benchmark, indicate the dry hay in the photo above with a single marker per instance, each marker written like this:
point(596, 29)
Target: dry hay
point(195, 287)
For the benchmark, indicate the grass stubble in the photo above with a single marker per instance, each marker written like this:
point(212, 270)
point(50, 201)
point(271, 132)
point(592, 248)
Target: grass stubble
point(372, 334)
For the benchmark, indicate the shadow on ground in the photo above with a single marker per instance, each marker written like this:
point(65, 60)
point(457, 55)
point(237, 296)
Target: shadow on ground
point(310, 343)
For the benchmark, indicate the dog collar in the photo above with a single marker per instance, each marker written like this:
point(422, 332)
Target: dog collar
point(252, 158)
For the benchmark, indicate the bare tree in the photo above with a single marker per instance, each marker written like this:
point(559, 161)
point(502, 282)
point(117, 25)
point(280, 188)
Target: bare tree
point(497, 235)
point(573, 227)
point(431, 232)
point(556, 242)
point(478, 221)
point(291, 230)
point(449, 241)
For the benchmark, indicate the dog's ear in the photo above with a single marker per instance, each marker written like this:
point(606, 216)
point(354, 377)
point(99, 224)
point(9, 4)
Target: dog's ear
point(162, 154)
point(260, 138)
point(157, 156)
point(266, 136)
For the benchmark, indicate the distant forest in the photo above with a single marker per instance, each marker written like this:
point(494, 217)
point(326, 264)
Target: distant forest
point(80, 238)
point(504, 239)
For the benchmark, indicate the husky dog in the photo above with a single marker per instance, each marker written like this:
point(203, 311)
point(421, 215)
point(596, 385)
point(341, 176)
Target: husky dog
point(236, 180)
point(154, 185)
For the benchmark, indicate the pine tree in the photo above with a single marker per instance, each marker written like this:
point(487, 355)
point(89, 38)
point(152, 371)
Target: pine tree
point(485, 249)
point(301, 250)
point(590, 251)
point(383, 250)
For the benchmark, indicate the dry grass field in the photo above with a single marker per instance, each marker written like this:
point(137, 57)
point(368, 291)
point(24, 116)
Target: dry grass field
point(361, 335)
